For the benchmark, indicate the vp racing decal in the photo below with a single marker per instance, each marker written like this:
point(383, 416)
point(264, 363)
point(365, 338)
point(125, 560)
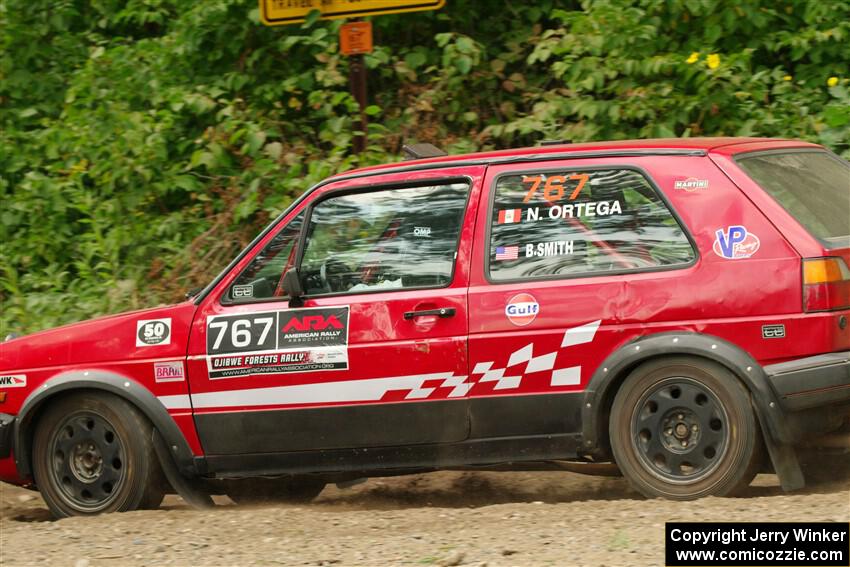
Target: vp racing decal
point(277, 342)
point(153, 332)
point(735, 243)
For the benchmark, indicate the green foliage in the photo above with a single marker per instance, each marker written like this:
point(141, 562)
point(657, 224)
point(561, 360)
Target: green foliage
point(144, 142)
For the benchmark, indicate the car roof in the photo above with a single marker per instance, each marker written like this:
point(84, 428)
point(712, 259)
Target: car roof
point(689, 146)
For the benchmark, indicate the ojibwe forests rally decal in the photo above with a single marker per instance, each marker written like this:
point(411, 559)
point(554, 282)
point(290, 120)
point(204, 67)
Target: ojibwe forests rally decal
point(277, 342)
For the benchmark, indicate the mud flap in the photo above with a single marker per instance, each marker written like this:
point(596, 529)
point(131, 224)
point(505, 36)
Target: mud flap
point(194, 496)
point(786, 465)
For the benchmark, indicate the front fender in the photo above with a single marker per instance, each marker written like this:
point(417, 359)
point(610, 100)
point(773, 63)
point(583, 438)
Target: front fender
point(116, 384)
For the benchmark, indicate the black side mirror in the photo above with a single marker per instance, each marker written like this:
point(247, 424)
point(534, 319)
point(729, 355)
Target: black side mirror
point(292, 287)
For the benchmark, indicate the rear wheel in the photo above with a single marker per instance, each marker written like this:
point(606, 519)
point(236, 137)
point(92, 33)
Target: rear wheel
point(683, 428)
point(92, 453)
point(294, 489)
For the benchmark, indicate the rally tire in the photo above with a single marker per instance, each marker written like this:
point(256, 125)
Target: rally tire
point(286, 490)
point(683, 428)
point(92, 454)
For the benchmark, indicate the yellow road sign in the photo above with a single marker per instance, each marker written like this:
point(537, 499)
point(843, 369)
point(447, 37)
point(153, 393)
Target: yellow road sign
point(282, 12)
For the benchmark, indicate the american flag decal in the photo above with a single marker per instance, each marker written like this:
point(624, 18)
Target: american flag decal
point(510, 215)
point(507, 252)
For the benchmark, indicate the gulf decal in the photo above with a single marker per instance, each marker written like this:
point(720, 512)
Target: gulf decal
point(522, 309)
point(735, 242)
point(277, 342)
point(488, 376)
point(510, 216)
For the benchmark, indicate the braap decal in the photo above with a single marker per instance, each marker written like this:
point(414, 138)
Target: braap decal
point(169, 371)
point(276, 342)
point(735, 243)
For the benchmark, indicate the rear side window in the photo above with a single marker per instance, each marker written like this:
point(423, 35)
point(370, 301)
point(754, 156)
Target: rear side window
point(581, 222)
point(813, 186)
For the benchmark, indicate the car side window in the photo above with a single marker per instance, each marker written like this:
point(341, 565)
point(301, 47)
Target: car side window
point(387, 239)
point(581, 222)
point(261, 279)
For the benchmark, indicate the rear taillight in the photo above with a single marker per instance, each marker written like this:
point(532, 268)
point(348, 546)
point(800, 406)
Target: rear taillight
point(826, 284)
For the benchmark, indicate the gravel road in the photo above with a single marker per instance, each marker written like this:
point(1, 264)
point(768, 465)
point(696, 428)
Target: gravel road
point(446, 518)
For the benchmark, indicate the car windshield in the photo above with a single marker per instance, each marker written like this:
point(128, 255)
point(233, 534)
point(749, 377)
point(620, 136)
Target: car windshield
point(814, 186)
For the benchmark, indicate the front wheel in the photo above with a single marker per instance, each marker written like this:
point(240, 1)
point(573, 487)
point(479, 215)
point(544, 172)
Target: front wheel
point(683, 428)
point(92, 453)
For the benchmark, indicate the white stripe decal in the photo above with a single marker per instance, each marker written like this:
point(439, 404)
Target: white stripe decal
point(176, 402)
point(580, 335)
point(353, 391)
point(374, 389)
point(567, 376)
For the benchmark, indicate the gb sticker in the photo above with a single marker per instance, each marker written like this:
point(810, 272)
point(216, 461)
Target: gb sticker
point(153, 332)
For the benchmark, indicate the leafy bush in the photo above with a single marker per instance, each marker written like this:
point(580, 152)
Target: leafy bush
point(144, 142)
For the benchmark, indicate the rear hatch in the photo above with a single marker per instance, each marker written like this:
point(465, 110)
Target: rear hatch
point(813, 186)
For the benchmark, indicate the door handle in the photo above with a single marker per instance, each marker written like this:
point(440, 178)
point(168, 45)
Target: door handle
point(442, 312)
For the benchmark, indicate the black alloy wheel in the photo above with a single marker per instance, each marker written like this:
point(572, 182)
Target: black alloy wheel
point(683, 428)
point(92, 453)
point(88, 461)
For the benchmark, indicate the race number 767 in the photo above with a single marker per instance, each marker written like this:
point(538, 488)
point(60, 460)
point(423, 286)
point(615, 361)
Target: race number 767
point(241, 334)
point(553, 186)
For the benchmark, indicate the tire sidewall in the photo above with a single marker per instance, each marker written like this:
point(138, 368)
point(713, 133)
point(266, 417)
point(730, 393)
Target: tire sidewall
point(742, 441)
point(129, 426)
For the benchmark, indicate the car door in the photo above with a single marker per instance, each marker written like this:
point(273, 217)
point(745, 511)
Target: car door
point(376, 355)
point(566, 251)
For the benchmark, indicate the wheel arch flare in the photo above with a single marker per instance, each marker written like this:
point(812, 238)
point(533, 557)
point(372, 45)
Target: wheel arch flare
point(102, 381)
point(609, 376)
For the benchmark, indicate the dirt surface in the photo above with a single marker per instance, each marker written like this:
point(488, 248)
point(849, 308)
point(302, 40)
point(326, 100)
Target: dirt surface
point(446, 518)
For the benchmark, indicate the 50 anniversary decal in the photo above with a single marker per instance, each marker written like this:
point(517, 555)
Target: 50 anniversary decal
point(275, 342)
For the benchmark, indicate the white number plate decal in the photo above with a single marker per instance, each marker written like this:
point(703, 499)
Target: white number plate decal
point(277, 342)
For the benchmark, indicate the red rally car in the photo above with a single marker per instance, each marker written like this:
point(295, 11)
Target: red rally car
point(677, 307)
